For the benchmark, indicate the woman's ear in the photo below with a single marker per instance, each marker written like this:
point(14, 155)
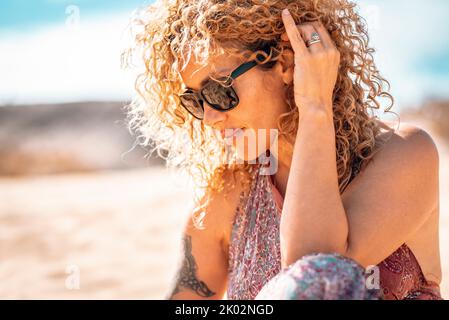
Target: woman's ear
point(286, 65)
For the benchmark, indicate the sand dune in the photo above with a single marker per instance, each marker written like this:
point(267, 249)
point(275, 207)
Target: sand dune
point(72, 137)
point(119, 229)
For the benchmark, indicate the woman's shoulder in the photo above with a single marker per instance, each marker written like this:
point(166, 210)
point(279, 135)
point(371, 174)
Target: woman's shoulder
point(407, 154)
point(407, 134)
point(225, 204)
point(406, 140)
point(214, 208)
point(415, 145)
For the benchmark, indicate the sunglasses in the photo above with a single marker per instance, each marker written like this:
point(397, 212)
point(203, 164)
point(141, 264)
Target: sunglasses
point(221, 95)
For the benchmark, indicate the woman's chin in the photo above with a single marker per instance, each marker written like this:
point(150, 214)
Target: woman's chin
point(249, 145)
point(252, 156)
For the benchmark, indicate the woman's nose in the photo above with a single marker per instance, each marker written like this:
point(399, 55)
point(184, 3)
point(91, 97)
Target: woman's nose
point(212, 116)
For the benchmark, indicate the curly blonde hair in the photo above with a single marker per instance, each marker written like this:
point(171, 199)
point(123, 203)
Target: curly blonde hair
point(170, 31)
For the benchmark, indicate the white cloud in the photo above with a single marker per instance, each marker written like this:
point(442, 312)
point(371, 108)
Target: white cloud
point(66, 63)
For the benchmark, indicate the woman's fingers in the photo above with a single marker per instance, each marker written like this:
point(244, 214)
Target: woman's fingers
point(316, 65)
point(300, 34)
point(293, 34)
point(326, 38)
point(307, 30)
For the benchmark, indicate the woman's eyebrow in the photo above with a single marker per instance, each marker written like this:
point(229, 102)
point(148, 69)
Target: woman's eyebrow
point(203, 82)
point(217, 73)
point(222, 71)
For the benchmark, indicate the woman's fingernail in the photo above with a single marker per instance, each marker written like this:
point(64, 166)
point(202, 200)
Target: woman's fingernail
point(285, 12)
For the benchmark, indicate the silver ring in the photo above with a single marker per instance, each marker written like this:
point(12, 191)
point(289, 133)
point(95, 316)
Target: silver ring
point(315, 38)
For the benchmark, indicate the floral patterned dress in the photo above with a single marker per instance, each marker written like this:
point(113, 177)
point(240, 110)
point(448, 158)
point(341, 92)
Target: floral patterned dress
point(254, 260)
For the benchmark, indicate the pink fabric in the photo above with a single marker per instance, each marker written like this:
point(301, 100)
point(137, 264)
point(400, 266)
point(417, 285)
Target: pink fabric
point(254, 251)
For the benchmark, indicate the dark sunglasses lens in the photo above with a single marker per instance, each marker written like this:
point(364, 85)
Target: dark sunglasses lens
point(191, 103)
point(219, 96)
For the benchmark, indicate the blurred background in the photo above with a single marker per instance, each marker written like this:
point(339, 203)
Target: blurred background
point(83, 212)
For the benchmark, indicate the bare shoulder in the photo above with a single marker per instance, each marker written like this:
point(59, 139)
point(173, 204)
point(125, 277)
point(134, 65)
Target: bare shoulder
point(203, 272)
point(410, 142)
point(415, 149)
point(407, 158)
point(232, 198)
point(395, 199)
point(222, 206)
point(407, 162)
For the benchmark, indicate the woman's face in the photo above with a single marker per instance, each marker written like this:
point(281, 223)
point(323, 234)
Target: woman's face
point(262, 101)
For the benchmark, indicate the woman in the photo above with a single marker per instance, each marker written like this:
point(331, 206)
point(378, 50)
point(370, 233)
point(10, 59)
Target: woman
point(336, 204)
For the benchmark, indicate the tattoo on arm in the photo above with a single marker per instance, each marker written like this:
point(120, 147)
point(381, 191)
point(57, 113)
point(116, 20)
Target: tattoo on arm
point(187, 278)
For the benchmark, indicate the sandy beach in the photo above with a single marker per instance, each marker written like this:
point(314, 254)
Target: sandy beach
point(118, 229)
point(109, 234)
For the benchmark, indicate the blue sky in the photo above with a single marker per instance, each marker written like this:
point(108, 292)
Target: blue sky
point(412, 46)
point(25, 15)
point(43, 60)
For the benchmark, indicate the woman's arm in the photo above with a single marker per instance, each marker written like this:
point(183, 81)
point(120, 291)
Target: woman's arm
point(390, 200)
point(202, 273)
point(313, 216)
point(384, 206)
point(204, 269)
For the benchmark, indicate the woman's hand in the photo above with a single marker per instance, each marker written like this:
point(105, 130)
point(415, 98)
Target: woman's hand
point(316, 67)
